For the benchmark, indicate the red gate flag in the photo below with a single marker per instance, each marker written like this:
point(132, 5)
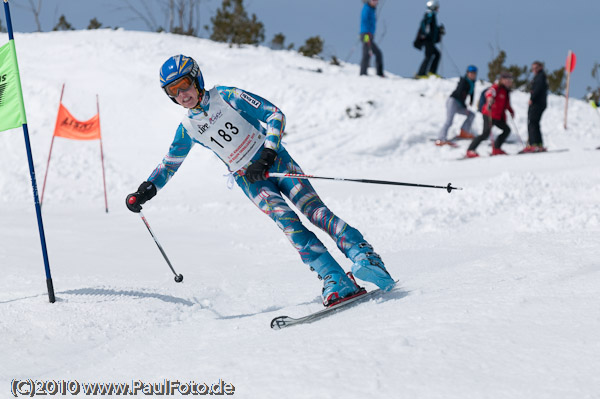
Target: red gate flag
point(571, 61)
point(569, 67)
point(70, 128)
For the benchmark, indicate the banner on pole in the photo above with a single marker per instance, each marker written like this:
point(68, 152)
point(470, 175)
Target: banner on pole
point(12, 114)
point(69, 127)
point(12, 109)
point(571, 61)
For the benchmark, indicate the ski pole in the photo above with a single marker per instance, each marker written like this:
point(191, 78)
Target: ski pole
point(178, 277)
point(516, 130)
point(449, 187)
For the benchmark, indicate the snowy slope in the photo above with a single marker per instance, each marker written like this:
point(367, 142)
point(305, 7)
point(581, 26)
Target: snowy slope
point(498, 293)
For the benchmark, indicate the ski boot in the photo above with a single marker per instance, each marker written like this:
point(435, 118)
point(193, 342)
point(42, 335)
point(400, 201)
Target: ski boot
point(368, 266)
point(336, 284)
point(339, 287)
point(498, 151)
point(464, 135)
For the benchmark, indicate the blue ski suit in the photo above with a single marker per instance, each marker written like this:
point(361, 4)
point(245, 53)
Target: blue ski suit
point(368, 23)
point(267, 195)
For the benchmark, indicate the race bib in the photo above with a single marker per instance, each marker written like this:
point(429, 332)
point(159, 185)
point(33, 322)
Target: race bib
point(225, 132)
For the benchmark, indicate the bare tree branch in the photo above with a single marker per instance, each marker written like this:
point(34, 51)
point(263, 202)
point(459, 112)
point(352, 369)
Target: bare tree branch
point(173, 12)
point(36, 12)
point(143, 14)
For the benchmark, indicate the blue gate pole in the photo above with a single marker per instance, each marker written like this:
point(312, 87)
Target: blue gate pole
point(38, 209)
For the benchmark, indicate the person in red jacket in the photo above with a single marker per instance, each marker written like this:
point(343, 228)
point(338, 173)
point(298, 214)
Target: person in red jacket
point(494, 114)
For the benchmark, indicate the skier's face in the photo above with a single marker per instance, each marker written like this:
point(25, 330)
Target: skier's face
point(506, 82)
point(188, 98)
point(472, 75)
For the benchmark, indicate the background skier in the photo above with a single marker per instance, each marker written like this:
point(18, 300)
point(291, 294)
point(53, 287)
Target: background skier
point(537, 105)
point(494, 114)
point(456, 104)
point(430, 34)
point(368, 22)
point(227, 121)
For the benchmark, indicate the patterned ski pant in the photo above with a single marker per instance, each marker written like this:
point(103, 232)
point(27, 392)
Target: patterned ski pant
point(268, 197)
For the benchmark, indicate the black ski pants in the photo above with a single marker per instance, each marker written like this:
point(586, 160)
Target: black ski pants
point(534, 116)
point(366, 56)
point(432, 58)
point(487, 128)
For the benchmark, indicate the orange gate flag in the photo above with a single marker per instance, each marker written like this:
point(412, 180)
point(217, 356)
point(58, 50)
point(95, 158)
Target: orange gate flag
point(70, 128)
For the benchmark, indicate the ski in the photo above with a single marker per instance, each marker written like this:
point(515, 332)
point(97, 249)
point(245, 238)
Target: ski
point(285, 321)
point(543, 152)
point(518, 153)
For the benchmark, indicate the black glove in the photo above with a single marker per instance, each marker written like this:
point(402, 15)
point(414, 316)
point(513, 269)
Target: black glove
point(442, 30)
point(144, 193)
point(258, 169)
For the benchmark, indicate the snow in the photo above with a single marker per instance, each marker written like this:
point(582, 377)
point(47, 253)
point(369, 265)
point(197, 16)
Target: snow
point(498, 293)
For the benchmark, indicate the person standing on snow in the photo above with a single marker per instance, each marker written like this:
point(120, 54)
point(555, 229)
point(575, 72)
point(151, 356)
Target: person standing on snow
point(456, 104)
point(227, 120)
point(430, 34)
point(494, 114)
point(367, 35)
point(537, 105)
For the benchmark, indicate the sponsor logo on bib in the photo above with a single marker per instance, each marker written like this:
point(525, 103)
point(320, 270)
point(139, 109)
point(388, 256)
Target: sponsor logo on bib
point(202, 128)
point(214, 117)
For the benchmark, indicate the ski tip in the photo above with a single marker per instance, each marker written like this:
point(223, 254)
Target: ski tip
point(279, 322)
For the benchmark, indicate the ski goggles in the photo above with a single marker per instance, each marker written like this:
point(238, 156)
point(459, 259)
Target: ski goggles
point(181, 84)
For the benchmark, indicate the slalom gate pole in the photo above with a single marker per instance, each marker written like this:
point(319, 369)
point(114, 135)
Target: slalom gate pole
point(46, 174)
point(178, 277)
point(448, 188)
point(38, 208)
point(102, 157)
point(50, 152)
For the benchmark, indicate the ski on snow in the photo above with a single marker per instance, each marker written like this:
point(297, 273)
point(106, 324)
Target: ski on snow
point(518, 153)
point(285, 321)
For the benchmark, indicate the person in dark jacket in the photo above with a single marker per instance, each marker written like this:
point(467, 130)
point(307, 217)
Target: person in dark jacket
point(456, 104)
point(494, 114)
point(537, 105)
point(368, 23)
point(430, 33)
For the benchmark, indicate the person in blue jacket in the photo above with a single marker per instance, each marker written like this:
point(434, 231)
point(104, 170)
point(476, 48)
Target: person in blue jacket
point(368, 22)
point(429, 34)
point(227, 121)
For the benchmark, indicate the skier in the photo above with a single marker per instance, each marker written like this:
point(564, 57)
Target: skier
point(429, 34)
point(227, 120)
point(497, 102)
point(368, 23)
point(537, 105)
point(456, 104)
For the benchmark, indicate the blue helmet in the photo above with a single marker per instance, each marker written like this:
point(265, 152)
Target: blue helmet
point(179, 66)
point(471, 68)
